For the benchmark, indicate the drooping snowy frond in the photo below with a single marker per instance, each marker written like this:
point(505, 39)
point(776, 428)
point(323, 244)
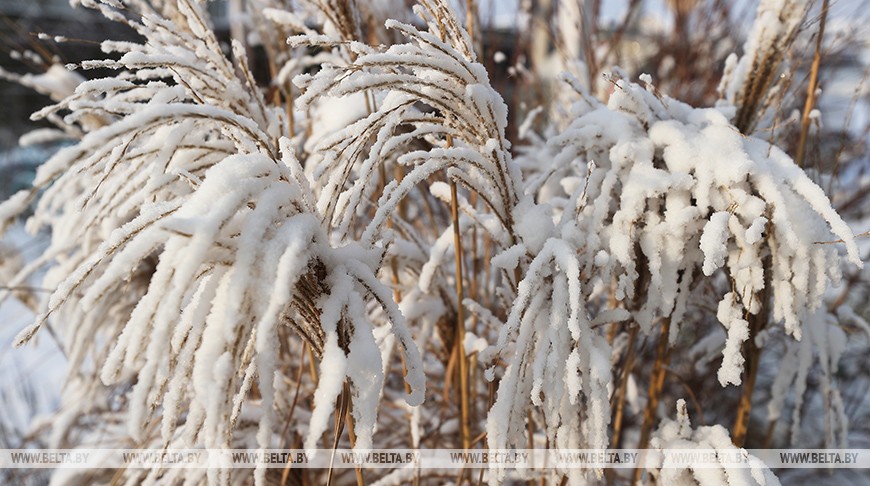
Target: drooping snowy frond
point(559, 363)
point(678, 191)
point(439, 69)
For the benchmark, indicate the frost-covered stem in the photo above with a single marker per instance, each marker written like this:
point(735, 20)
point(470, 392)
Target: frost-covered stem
point(656, 383)
point(752, 354)
point(811, 89)
point(623, 387)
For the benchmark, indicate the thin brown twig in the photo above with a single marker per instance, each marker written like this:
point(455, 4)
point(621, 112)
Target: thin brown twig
point(859, 235)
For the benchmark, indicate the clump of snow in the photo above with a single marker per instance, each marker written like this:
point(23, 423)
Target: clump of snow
point(706, 201)
point(731, 316)
point(713, 241)
point(755, 231)
point(675, 434)
point(534, 224)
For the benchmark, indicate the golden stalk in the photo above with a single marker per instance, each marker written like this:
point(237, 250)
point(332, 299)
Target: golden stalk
point(348, 417)
point(459, 346)
point(811, 89)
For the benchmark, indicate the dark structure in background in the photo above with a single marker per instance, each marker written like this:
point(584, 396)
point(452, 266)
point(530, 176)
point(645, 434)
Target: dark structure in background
point(20, 21)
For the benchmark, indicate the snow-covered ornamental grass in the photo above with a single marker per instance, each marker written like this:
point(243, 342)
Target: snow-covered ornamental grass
point(357, 247)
